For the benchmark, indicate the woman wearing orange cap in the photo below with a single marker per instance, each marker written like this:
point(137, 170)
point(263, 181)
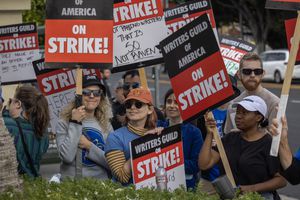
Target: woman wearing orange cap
point(141, 120)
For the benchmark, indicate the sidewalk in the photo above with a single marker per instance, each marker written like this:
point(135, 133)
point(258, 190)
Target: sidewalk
point(283, 197)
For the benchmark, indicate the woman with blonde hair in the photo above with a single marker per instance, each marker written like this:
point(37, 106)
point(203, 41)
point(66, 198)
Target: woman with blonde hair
point(86, 128)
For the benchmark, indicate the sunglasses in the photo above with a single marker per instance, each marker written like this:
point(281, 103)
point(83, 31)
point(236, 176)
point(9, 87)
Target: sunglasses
point(127, 86)
point(137, 104)
point(170, 101)
point(96, 93)
point(249, 71)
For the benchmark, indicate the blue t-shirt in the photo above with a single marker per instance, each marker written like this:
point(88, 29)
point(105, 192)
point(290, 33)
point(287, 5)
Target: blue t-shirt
point(220, 117)
point(95, 136)
point(192, 142)
point(120, 140)
point(297, 155)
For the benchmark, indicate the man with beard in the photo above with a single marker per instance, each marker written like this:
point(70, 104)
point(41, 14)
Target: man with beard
point(251, 73)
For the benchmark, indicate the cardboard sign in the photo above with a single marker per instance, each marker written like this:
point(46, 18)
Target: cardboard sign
point(290, 29)
point(139, 26)
point(183, 14)
point(18, 48)
point(283, 4)
point(233, 50)
point(79, 32)
point(151, 151)
point(196, 68)
point(58, 86)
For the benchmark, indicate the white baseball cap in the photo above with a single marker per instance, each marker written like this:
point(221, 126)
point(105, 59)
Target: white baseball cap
point(254, 103)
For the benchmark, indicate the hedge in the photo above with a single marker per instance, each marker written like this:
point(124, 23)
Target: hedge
point(86, 189)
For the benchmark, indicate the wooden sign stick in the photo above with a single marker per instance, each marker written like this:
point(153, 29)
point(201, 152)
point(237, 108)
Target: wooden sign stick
point(78, 159)
point(143, 78)
point(286, 86)
point(222, 153)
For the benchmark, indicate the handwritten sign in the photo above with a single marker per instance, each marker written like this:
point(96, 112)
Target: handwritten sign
point(139, 26)
point(18, 48)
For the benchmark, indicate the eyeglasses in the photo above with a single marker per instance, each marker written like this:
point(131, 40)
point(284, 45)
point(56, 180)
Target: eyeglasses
point(96, 93)
point(127, 86)
point(137, 104)
point(170, 101)
point(249, 71)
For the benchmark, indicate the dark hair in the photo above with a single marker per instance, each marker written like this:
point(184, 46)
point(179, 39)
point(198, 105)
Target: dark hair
point(251, 56)
point(168, 93)
point(131, 73)
point(36, 106)
point(264, 122)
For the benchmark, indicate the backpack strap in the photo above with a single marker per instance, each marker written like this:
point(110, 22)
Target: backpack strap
point(26, 150)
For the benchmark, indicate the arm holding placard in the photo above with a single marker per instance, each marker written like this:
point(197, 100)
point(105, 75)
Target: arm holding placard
point(290, 164)
point(208, 157)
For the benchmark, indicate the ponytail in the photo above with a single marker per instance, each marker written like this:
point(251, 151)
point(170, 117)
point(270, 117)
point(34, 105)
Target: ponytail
point(35, 106)
point(39, 115)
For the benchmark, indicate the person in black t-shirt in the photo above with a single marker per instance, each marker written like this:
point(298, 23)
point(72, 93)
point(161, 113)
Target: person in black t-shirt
point(248, 150)
point(290, 164)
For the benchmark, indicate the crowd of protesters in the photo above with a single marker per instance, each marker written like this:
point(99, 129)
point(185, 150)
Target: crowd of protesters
point(93, 138)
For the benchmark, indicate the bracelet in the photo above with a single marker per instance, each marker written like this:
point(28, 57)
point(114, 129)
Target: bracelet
point(75, 121)
point(285, 128)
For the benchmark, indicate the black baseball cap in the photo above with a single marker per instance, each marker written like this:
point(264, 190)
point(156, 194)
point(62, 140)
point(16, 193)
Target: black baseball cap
point(89, 80)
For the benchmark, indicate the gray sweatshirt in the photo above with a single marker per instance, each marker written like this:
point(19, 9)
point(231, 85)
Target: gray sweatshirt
point(93, 161)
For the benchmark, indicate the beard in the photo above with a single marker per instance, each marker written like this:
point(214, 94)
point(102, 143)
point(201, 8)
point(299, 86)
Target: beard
point(251, 84)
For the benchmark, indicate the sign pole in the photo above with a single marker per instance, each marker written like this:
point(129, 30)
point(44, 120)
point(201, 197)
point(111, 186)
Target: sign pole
point(143, 77)
point(286, 86)
point(78, 159)
point(222, 153)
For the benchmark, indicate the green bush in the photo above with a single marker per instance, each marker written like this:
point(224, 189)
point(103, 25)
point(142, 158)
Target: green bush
point(86, 189)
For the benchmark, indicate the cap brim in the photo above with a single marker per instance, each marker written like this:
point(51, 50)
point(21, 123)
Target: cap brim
point(247, 106)
point(139, 99)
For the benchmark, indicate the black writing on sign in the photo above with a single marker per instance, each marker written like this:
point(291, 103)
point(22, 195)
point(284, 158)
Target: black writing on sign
point(79, 9)
point(184, 45)
point(147, 144)
point(188, 8)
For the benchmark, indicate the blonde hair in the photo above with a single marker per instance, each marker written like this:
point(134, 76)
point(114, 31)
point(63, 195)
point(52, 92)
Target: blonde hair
point(103, 113)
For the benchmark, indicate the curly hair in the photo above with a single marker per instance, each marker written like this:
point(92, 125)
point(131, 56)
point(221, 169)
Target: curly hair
point(103, 113)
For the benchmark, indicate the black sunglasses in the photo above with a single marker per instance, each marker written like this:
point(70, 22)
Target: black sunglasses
point(127, 86)
point(249, 71)
point(137, 104)
point(96, 93)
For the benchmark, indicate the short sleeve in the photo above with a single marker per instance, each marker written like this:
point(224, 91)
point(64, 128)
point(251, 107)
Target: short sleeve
point(113, 143)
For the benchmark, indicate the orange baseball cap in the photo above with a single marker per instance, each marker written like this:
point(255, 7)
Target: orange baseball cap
point(140, 94)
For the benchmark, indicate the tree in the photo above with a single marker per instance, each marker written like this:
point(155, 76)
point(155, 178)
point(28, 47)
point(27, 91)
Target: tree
point(37, 13)
point(257, 18)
